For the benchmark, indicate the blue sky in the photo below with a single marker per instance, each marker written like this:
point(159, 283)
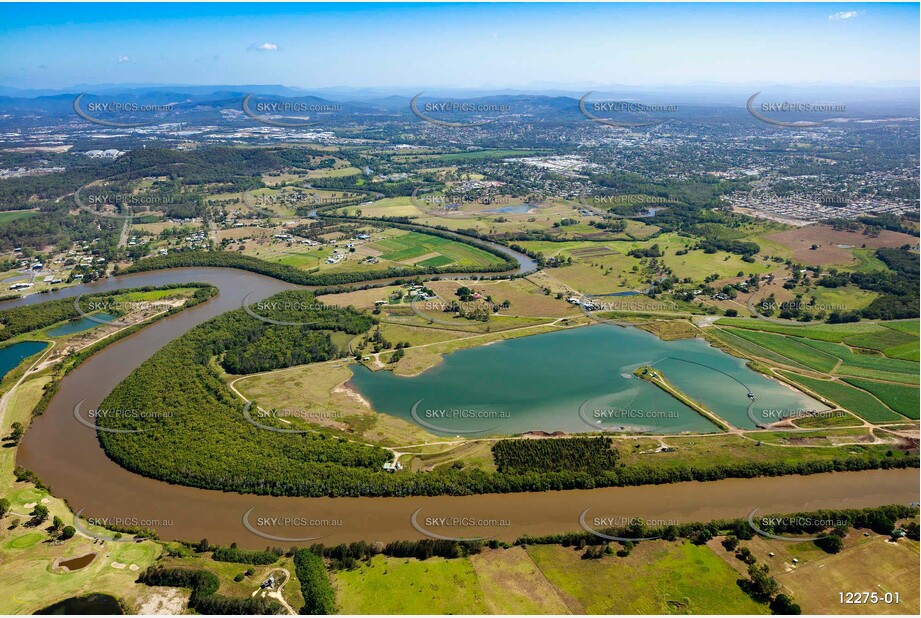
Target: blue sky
point(472, 45)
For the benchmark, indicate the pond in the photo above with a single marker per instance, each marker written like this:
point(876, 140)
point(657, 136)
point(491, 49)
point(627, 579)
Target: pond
point(75, 564)
point(11, 356)
point(516, 209)
point(76, 326)
point(98, 604)
point(576, 381)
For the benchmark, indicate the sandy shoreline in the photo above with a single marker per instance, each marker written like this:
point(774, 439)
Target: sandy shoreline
point(346, 388)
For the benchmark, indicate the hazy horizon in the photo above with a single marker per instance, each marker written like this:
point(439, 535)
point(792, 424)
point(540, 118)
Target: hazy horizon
point(461, 46)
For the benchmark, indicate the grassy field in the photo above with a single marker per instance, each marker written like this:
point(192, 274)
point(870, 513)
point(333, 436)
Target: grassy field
point(884, 339)
point(860, 403)
point(820, 332)
point(794, 349)
point(409, 586)
point(867, 361)
point(867, 564)
point(728, 336)
point(847, 298)
point(513, 584)
point(410, 247)
point(657, 577)
point(697, 265)
point(317, 390)
point(877, 566)
point(902, 399)
point(728, 450)
point(388, 248)
point(12, 215)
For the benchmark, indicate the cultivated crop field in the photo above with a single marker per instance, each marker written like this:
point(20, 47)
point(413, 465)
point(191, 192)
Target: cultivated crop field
point(431, 251)
point(859, 402)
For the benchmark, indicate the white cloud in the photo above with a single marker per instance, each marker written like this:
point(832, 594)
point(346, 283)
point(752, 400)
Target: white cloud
point(265, 47)
point(123, 59)
point(843, 15)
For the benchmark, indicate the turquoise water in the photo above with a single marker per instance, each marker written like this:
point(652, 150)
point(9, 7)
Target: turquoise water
point(576, 381)
point(11, 356)
point(80, 325)
point(516, 209)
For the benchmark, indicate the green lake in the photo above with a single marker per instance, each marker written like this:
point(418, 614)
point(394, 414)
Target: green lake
point(580, 380)
point(12, 355)
point(77, 326)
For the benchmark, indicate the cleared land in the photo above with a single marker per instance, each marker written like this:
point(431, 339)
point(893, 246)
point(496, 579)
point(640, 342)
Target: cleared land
point(835, 247)
point(658, 577)
point(409, 586)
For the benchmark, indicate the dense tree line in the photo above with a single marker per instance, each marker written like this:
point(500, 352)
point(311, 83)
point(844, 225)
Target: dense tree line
point(740, 247)
point(319, 598)
point(879, 519)
point(228, 259)
point(245, 556)
point(204, 598)
point(593, 455)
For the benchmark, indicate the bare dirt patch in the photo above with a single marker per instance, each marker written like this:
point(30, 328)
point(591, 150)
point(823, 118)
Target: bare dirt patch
point(164, 601)
point(801, 240)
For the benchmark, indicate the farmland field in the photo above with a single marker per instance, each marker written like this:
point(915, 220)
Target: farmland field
point(902, 399)
point(858, 402)
point(407, 248)
point(409, 586)
point(821, 332)
point(794, 349)
point(875, 566)
point(658, 577)
point(867, 361)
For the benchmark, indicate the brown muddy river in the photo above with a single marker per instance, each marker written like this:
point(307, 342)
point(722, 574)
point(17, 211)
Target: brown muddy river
point(66, 456)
